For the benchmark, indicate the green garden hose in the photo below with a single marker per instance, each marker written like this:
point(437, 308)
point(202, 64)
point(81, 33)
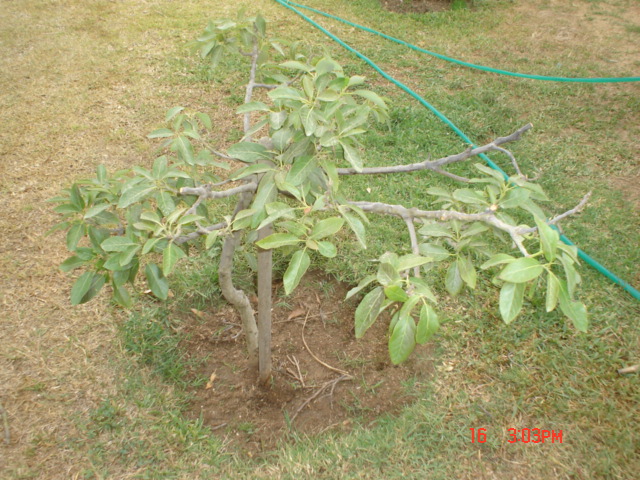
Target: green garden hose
point(467, 64)
point(587, 259)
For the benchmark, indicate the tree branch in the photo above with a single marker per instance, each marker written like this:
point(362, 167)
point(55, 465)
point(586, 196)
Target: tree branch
point(577, 209)
point(516, 233)
point(205, 191)
point(435, 165)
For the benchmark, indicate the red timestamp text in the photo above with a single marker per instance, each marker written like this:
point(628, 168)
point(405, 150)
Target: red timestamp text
point(521, 435)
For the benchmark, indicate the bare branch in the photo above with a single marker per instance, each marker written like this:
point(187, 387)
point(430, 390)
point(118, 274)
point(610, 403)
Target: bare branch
point(435, 165)
point(488, 217)
point(578, 208)
point(205, 191)
point(201, 231)
point(414, 241)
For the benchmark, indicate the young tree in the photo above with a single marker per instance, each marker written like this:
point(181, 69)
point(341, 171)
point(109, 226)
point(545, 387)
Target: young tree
point(288, 196)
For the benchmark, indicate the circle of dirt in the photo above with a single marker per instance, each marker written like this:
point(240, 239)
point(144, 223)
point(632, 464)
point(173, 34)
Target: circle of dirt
point(416, 6)
point(323, 378)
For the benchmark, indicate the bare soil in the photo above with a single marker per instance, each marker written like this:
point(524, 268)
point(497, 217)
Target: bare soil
point(416, 6)
point(323, 378)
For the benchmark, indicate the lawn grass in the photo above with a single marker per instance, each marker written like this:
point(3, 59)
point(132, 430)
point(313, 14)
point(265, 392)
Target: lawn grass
point(537, 373)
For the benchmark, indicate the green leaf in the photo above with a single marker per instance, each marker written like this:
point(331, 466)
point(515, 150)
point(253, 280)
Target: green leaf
point(71, 263)
point(356, 226)
point(511, 297)
point(516, 197)
point(372, 97)
point(96, 209)
point(411, 260)
point(297, 267)
point(576, 311)
point(422, 288)
point(553, 288)
point(522, 270)
point(403, 339)
point(172, 112)
point(74, 235)
point(327, 227)
point(149, 244)
point(248, 152)
point(184, 149)
point(363, 283)
point(286, 93)
point(427, 325)
point(497, 259)
point(396, 293)
point(276, 240)
point(121, 296)
point(327, 249)
point(252, 169)
point(211, 238)
point(453, 280)
point(266, 193)
point(86, 287)
point(171, 254)
point(294, 65)
point(435, 230)
point(253, 107)
point(300, 170)
point(467, 271)
point(352, 155)
point(435, 252)
point(387, 274)
point(165, 203)
point(549, 239)
point(157, 282)
point(161, 133)
point(472, 197)
point(135, 194)
point(117, 244)
point(571, 274)
point(368, 310)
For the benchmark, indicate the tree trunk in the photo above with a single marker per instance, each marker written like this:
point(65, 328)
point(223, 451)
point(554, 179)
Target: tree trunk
point(265, 269)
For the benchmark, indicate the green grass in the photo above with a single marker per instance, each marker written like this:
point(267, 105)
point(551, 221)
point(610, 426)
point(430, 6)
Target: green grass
point(537, 373)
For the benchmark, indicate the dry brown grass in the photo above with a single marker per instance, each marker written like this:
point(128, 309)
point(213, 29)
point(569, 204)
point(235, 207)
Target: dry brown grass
point(81, 83)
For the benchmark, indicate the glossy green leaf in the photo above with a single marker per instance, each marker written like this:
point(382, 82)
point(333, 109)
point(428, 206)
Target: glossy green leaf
point(427, 325)
point(453, 281)
point(248, 152)
point(298, 265)
point(157, 281)
point(472, 197)
point(516, 197)
point(498, 259)
point(300, 170)
point(71, 263)
point(435, 252)
point(135, 194)
point(522, 270)
point(403, 339)
point(511, 298)
point(406, 262)
point(352, 155)
point(86, 287)
point(356, 226)
point(553, 289)
point(396, 293)
point(549, 239)
point(327, 227)
point(74, 235)
point(121, 296)
point(576, 311)
point(387, 274)
point(363, 284)
point(276, 240)
point(327, 249)
point(467, 271)
point(368, 310)
point(171, 254)
point(117, 244)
